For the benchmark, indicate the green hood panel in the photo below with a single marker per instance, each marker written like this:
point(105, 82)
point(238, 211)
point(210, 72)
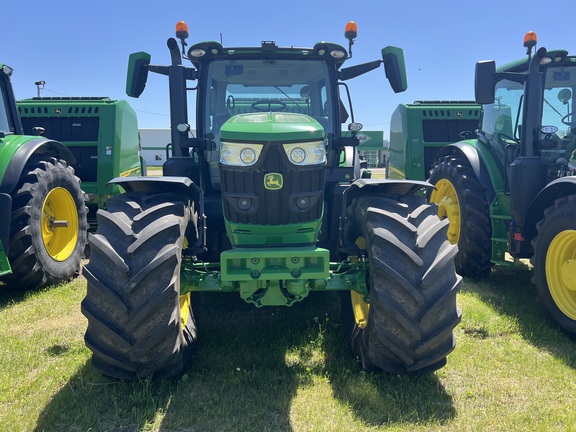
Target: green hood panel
point(271, 126)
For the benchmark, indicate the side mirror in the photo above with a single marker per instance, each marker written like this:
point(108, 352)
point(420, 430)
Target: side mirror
point(485, 82)
point(137, 73)
point(395, 68)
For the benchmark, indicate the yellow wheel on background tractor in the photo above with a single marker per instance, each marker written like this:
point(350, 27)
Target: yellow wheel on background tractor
point(448, 207)
point(554, 262)
point(49, 224)
point(561, 272)
point(463, 200)
point(59, 222)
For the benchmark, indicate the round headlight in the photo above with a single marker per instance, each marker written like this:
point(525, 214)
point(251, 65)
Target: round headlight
point(297, 155)
point(225, 156)
point(319, 155)
point(247, 156)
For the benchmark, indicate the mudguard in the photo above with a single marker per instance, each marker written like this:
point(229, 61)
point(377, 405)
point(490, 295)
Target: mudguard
point(483, 174)
point(24, 152)
point(558, 188)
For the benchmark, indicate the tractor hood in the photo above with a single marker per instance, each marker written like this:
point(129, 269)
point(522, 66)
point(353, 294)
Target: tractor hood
point(271, 126)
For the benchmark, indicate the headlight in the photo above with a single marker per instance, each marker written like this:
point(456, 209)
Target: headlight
point(307, 153)
point(236, 154)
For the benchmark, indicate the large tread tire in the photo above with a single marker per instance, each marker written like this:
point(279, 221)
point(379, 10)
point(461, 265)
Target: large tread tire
point(470, 216)
point(554, 262)
point(412, 282)
point(137, 326)
point(39, 254)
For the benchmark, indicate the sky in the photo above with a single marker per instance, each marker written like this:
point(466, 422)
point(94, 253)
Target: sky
point(81, 48)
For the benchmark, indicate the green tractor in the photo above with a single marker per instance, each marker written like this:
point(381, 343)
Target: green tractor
point(509, 190)
point(42, 211)
point(268, 201)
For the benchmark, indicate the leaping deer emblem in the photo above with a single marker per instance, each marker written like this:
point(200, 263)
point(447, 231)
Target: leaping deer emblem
point(273, 181)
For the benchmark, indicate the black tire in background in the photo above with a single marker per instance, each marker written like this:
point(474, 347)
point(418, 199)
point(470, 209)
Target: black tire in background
point(412, 283)
point(462, 199)
point(43, 250)
point(138, 323)
point(554, 262)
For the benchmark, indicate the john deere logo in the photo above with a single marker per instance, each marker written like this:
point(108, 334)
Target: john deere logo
point(273, 181)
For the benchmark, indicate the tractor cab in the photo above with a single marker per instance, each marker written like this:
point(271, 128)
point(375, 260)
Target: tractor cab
point(529, 109)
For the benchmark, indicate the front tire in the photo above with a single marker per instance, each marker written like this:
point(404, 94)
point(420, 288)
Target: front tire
point(48, 226)
point(138, 323)
point(408, 325)
point(554, 262)
point(462, 200)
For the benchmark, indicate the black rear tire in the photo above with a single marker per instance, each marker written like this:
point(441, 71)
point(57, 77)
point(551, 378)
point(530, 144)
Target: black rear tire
point(39, 253)
point(138, 323)
point(471, 227)
point(412, 282)
point(554, 262)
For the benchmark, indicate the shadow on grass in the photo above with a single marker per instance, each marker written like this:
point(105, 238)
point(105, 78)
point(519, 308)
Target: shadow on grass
point(510, 292)
point(241, 378)
point(382, 398)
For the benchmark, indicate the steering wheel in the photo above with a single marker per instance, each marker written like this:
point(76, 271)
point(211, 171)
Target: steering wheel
point(501, 135)
point(268, 105)
point(567, 123)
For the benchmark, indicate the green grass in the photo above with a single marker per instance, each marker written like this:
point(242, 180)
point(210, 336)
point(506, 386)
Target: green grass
point(288, 369)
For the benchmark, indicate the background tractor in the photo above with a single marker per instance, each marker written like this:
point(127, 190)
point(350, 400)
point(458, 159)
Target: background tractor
point(509, 190)
point(47, 144)
point(269, 202)
point(42, 212)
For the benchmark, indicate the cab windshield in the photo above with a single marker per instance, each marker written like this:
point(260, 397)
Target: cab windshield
point(502, 120)
point(246, 86)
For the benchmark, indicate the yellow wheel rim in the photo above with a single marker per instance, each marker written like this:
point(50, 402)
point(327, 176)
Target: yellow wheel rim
point(185, 302)
point(448, 207)
point(561, 272)
point(360, 308)
point(59, 222)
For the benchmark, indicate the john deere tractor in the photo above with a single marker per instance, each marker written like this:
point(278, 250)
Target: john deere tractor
point(509, 190)
point(268, 201)
point(42, 212)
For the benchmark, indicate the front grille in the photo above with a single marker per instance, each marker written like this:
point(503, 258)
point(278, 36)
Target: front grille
point(243, 186)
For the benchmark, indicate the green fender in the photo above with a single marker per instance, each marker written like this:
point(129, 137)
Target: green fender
point(483, 164)
point(15, 150)
point(554, 190)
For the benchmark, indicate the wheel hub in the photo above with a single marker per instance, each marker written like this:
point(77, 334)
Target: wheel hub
point(561, 271)
point(59, 222)
point(448, 207)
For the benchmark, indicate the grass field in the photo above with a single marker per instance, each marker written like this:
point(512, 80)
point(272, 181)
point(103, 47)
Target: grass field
point(287, 369)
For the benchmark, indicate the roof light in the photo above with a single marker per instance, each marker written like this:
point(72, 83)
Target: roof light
point(351, 30)
point(198, 52)
point(530, 39)
point(181, 30)
point(338, 54)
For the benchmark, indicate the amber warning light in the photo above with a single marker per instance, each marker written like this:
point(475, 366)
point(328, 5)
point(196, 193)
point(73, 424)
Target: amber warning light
point(530, 39)
point(181, 30)
point(351, 30)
